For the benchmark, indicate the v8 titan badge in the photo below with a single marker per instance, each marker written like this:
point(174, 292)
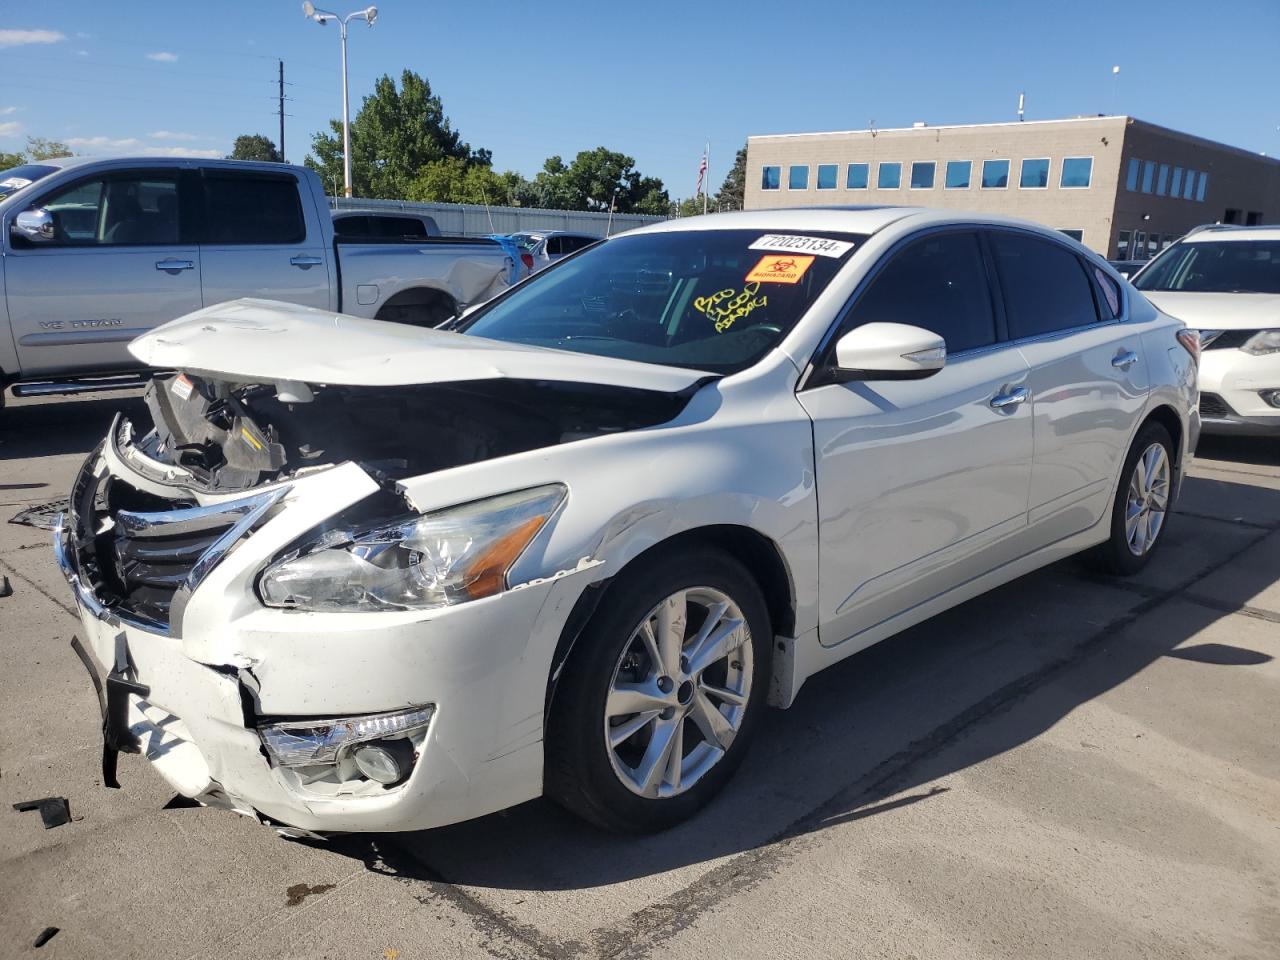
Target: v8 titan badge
point(780, 268)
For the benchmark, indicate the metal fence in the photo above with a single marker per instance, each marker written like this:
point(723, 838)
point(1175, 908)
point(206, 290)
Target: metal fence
point(477, 220)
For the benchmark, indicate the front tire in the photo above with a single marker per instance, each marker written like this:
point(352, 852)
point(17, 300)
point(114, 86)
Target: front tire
point(1140, 512)
point(662, 692)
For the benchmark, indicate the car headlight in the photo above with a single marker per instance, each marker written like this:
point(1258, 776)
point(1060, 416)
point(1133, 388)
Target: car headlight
point(434, 560)
point(1264, 341)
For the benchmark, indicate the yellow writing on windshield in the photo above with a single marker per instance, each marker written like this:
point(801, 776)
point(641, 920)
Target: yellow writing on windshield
point(726, 306)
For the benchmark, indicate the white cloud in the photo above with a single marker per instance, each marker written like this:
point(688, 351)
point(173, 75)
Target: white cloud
point(10, 129)
point(171, 135)
point(163, 56)
point(100, 144)
point(82, 53)
point(18, 38)
point(8, 111)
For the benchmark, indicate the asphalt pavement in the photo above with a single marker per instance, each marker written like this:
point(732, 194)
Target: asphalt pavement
point(1067, 767)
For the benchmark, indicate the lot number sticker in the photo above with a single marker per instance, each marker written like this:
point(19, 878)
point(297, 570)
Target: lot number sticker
point(779, 268)
point(785, 243)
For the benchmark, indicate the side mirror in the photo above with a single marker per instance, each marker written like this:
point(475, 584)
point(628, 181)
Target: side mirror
point(889, 351)
point(34, 225)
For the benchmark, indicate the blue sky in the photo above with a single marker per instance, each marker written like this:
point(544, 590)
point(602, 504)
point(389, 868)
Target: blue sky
point(653, 79)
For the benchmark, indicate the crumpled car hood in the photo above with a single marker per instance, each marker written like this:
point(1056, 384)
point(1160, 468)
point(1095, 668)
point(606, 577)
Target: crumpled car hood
point(265, 341)
point(1219, 311)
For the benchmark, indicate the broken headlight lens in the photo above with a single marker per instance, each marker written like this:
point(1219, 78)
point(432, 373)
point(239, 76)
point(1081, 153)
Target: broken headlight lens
point(442, 558)
point(303, 743)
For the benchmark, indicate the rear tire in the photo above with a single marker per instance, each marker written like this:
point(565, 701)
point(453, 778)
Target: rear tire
point(1140, 511)
point(697, 685)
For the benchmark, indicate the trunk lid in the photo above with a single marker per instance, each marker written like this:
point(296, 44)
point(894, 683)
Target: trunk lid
point(266, 341)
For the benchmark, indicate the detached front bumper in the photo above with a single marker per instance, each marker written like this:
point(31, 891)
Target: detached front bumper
point(195, 696)
point(1233, 385)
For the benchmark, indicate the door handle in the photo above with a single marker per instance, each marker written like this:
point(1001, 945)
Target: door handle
point(305, 262)
point(174, 265)
point(1123, 361)
point(1011, 399)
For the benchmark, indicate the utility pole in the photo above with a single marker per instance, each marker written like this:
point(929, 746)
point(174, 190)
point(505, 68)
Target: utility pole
point(282, 111)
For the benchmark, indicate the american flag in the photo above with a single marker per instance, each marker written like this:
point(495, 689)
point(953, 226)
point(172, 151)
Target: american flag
point(702, 174)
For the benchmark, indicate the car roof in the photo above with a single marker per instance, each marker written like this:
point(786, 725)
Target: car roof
point(1230, 232)
point(543, 234)
point(841, 219)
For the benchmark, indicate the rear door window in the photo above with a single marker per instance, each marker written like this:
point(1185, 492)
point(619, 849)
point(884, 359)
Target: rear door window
point(939, 283)
point(252, 208)
point(1045, 287)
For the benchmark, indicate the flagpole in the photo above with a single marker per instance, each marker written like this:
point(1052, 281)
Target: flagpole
point(706, 177)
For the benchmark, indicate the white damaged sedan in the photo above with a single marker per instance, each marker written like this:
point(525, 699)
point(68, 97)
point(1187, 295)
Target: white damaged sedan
point(361, 576)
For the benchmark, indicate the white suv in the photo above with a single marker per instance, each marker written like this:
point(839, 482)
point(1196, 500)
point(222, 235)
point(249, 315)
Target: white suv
point(1225, 282)
point(366, 576)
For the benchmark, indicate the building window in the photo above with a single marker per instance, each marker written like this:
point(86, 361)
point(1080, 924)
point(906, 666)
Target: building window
point(1153, 244)
point(1131, 179)
point(1253, 218)
point(1122, 244)
point(857, 176)
point(1148, 175)
point(1175, 187)
point(889, 176)
point(1230, 216)
point(1202, 186)
point(1188, 188)
point(922, 172)
point(1077, 173)
point(798, 176)
point(1139, 245)
point(827, 173)
point(995, 174)
point(958, 173)
point(1076, 235)
point(1162, 181)
point(770, 178)
point(1034, 175)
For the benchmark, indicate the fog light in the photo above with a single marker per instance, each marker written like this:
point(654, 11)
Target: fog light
point(304, 743)
point(1270, 397)
point(387, 761)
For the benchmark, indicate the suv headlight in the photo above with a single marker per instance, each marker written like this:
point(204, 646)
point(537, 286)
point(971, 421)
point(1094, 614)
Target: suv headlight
point(1264, 341)
point(442, 558)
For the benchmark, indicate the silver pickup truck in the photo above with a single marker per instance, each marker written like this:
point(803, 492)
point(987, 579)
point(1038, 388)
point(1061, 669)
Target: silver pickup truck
point(95, 252)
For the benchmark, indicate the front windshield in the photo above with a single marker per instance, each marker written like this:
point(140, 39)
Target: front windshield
point(714, 300)
point(1215, 266)
point(15, 178)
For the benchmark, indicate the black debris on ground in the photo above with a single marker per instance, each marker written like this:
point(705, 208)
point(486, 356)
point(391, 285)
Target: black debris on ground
point(6, 588)
point(43, 516)
point(54, 811)
point(46, 935)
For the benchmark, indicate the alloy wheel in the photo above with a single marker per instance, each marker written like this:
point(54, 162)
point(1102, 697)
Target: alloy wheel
point(1148, 499)
point(679, 692)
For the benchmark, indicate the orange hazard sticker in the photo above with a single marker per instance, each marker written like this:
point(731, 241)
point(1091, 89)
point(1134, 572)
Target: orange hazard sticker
point(780, 268)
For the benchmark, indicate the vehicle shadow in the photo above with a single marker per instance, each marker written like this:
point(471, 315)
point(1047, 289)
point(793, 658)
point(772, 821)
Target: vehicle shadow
point(1262, 451)
point(63, 425)
point(871, 734)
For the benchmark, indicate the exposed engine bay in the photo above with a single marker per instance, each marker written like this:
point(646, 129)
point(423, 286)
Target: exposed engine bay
point(231, 437)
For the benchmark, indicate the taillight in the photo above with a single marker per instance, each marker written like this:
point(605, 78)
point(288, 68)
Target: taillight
point(1190, 340)
point(527, 260)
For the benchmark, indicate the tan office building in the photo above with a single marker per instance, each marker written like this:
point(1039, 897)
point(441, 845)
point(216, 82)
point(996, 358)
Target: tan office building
point(1124, 187)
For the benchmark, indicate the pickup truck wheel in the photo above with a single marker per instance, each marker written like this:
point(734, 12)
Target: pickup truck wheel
point(418, 308)
point(662, 693)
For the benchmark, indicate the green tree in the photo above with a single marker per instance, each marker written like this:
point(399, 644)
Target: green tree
point(8, 160)
point(38, 148)
point(254, 146)
point(453, 180)
point(394, 136)
point(597, 179)
point(734, 189)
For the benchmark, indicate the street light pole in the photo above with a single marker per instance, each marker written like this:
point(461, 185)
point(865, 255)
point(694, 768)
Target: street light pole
point(368, 15)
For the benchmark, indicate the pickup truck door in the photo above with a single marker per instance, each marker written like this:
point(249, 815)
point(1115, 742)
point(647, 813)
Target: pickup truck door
point(121, 262)
point(260, 239)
